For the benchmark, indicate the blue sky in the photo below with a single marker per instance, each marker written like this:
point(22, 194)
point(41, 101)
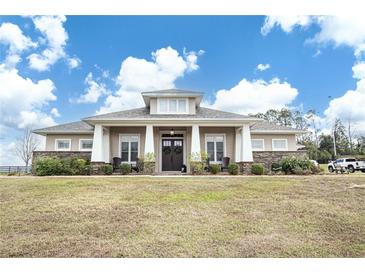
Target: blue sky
point(225, 50)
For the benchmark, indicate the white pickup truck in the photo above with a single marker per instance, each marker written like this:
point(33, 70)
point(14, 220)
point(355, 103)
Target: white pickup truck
point(346, 165)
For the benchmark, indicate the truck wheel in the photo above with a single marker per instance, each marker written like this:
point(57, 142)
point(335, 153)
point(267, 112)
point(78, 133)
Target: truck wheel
point(330, 169)
point(363, 170)
point(351, 169)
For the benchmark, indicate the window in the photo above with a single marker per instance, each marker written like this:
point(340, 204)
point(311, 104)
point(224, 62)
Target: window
point(129, 148)
point(279, 144)
point(86, 144)
point(257, 144)
point(172, 105)
point(63, 144)
point(215, 146)
point(350, 160)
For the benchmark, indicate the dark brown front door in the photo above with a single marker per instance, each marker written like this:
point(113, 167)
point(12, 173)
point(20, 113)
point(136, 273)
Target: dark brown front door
point(172, 154)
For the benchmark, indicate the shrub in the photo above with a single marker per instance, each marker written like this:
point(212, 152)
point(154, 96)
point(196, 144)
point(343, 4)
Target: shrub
point(197, 167)
point(292, 164)
point(257, 169)
point(107, 169)
point(125, 168)
point(233, 169)
point(48, 166)
point(149, 167)
point(275, 167)
point(215, 168)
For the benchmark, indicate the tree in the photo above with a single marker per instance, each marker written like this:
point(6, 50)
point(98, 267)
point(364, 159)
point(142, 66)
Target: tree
point(26, 145)
point(311, 115)
point(342, 142)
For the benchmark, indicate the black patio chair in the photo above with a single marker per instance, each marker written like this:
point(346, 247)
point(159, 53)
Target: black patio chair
point(116, 163)
point(207, 167)
point(225, 163)
point(138, 167)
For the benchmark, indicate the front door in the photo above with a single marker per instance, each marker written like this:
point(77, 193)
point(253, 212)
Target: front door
point(172, 154)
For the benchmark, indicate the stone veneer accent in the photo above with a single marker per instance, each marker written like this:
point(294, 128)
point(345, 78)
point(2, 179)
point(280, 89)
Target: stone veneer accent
point(268, 157)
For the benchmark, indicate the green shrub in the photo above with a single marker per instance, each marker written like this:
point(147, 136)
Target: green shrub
point(257, 169)
point(292, 164)
point(125, 168)
point(233, 169)
point(48, 166)
point(149, 167)
point(215, 168)
point(107, 169)
point(275, 167)
point(197, 167)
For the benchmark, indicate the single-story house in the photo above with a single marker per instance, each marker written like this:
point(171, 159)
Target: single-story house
point(171, 126)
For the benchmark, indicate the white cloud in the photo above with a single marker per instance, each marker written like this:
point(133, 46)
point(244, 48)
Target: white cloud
point(55, 36)
point(137, 75)
point(250, 97)
point(262, 67)
point(11, 35)
point(350, 106)
point(55, 112)
point(73, 62)
point(21, 100)
point(93, 92)
point(287, 23)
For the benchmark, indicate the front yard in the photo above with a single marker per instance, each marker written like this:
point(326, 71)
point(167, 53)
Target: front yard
point(281, 216)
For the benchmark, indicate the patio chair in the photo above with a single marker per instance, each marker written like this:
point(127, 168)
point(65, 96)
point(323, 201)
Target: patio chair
point(225, 163)
point(116, 163)
point(207, 167)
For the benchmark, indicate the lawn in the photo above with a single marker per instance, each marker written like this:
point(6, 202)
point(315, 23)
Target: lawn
point(293, 216)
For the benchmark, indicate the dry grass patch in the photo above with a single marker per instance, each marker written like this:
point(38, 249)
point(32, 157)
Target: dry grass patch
point(310, 216)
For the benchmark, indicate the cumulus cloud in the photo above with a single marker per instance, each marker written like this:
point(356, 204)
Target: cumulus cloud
point(137, 75)
point(73, 62)
point(21, 100)
point(55, 37)
point(287, 23)
point(12, 36)
point(55, 113)
point(250, 97)
point(93, 91)
point(262, 67)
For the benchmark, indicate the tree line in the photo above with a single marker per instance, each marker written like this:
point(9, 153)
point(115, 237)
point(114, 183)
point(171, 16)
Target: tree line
point(343, 141)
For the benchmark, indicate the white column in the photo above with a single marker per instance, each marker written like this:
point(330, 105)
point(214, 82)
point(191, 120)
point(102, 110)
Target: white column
point(106, 145)
point(149, 143)
point(195, 142)
point(97, 154)
point(246, 147)
point(238, 145)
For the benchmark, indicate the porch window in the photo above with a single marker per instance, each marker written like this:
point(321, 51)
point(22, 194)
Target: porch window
point(86, 144)
point(129, 148)
point(279, 144)
point(172, 105)
point(257, 144)
point(214, 145)
point(63, 144)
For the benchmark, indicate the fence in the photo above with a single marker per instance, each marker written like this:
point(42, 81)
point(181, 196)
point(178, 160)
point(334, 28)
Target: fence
point(15, 169)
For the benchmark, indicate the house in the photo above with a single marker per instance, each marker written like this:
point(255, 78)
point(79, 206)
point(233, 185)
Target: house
point(171, 126)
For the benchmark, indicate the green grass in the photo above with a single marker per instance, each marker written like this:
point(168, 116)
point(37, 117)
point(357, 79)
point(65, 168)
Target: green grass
point(279, 216)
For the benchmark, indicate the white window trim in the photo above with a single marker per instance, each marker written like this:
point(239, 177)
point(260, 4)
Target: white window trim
point(85, 149)
point(177, 105)
point(129, 152)
point(62, 149)
point(258, 149)
point(215, 149)
point(279, 149)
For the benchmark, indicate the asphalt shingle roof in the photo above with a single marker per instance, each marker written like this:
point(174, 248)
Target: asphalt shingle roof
point(267, 126)
point(76, 127)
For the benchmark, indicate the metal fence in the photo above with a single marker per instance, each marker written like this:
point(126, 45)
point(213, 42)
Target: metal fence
point(15, 169)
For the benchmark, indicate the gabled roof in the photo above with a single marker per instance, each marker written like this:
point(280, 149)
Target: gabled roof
point(144, 113)
point(267, 127)
point(74, 127)
point(172, 93)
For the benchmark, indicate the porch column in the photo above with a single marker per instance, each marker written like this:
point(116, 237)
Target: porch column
point(238, 146)
point(246, 147)
point(97, 154)
point(106, 145)
point(149, 143)
point(195, 142)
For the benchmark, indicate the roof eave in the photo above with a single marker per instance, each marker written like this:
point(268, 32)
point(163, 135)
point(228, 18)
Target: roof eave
point(278, 131)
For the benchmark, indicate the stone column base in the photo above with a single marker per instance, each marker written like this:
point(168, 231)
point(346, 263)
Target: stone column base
point(245, 167)
point(96, 168)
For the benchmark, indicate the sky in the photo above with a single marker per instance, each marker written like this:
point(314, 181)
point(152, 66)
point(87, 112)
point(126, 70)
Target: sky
point(58, 69)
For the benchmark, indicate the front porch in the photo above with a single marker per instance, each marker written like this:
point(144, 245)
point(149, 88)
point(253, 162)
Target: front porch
point(171, 145)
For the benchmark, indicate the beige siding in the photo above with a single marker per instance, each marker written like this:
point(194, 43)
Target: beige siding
point(192, 106)
point(268, 140)
point(230, 138)
point(153, 105)
point(75, 138)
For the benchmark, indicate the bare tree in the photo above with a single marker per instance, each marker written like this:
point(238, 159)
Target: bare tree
point(26, 145)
